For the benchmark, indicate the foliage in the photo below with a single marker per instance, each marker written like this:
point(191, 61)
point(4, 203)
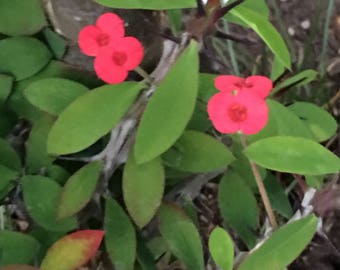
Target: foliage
point(97, 161)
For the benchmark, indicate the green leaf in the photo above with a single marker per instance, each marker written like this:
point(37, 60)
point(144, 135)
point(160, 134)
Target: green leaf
point(36, 145)
point(6, 83)
point(58, 174)
point(20, 105)
point(53, 95)
point(120, 236)
point(148, 4)
point(206, 86)
point(314, 181)
point(56, 42)
point(293, 155)
point(320, 122)
point(200, 120)
point(19, 17)
point(302, 78)
point(41, 196)
point(170, 108)
point(7, 176)
point(262, 26)
point(258, 6)
point(78, 190)
point(283, 246)
point(277, 196)
point(23, 56)
point(17, 248)
point(277, 70)
point(198, 152)
point(287, 122)
point(238, 207)
point(90, 117)
point(8, 156)
point(143, 187)
point(181, 236)
point(221, 248)
point(145, 257)
point(241, 166)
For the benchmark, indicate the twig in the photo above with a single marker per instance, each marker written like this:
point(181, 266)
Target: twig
point(261, 187)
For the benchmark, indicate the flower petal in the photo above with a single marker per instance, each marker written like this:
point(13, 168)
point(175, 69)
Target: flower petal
point(218, 112)
point(107, 70)
point(260, 84)
point(111, 24)
point(87, 40)
point(257, 112)
point(133, 49)
point(227, 82)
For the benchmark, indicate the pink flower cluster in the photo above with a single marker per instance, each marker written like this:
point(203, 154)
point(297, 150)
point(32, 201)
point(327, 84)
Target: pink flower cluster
point(240, 105)
point(115, 53)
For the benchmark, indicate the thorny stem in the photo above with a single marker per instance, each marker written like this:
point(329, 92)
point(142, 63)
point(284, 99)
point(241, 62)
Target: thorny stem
point(261, 187)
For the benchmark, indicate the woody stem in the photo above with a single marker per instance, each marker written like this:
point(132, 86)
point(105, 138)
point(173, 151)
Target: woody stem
point(262, 190)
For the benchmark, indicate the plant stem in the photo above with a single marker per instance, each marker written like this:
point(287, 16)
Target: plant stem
point(262, 189)
point(325, 38)
point(301, 182)
point(144, 74)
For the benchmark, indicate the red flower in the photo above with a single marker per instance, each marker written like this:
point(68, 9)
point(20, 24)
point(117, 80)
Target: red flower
point(92, 38)
point(256, 84)
point(112, 64)
point(115, 54)
point(244, 112)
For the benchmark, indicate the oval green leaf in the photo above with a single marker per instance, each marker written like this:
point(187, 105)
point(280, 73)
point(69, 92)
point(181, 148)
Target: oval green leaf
point(293, 155)
point(36, 145)
point(6, 180)
point(277, 196)
point(17, 248)
point(283, 246)
point(262, 26)
point(148, 4)
point(240, 212)
point(8, 156)
point(53, 95)
point(120, 236)
point(181, 236)
point(198, 152)
point(302, 78)
point(287, 122)
point(90, 117)
point(41, 195)
point(79, 189)
point(170, 108)
point(6, 83)
point(73, 250)
point(143, 187)
point(23, 56)
point(320, 122)
point(19, 17)
point(221, 248)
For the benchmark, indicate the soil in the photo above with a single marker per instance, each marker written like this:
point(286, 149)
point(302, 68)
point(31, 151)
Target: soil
point(302, 22)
